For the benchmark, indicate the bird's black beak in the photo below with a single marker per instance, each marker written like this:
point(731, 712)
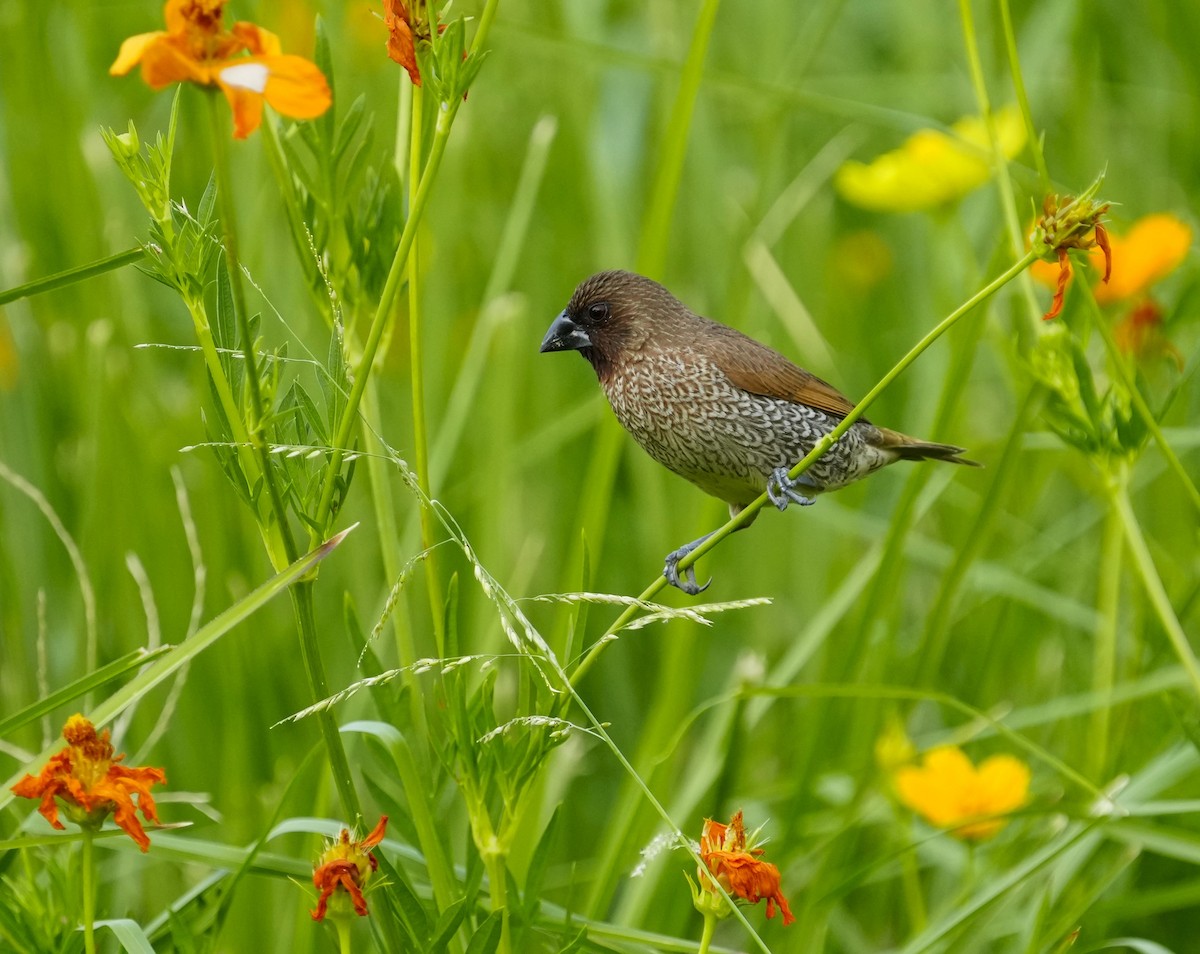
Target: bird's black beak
point(565, 335)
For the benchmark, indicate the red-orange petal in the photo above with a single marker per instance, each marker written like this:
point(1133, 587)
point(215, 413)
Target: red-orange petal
point(1064, 276)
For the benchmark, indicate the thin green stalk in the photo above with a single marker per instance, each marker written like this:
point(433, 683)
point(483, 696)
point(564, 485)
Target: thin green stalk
point(664, 190)
point(706, 936)
point(1120, 366)
point(89, 890)
point(1008, 201)
point(823, 445)
point(416, 366)
point(318, 683)
point(1144, 563)
point(70, 276)
point(344, 935)
point(938, 628)
point(1104, 654)
point(445, 120)
point(1014, 66)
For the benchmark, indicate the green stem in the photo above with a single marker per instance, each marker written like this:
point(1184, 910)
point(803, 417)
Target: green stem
point(1008, 201)
point(1108, 604)
point(1014, 66)
point(937, 630)
point(494, 862)
point(821, 447)
point(1153, 583)
point(310, 651)
point(416, 209)
point(1120, 367)
point(433, 582)
point(89, 890)
point(706, 936)
point(342, 925)
point(71, 275)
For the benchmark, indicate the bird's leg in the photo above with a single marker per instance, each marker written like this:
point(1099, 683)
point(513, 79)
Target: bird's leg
point(781, 489)
point(671, 568)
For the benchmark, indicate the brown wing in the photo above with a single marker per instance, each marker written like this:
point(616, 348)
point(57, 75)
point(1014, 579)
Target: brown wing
point(761, 370)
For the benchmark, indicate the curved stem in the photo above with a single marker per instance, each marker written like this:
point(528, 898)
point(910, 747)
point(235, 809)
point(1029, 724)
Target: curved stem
point(70, 276)
point(1014, 66)
point(1154, 585)
point(821, 447)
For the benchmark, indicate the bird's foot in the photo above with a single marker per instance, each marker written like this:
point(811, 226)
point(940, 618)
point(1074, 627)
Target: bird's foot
point(781, 489)
point(671, 569)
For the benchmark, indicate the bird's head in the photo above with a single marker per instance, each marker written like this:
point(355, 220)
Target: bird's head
point(610, 315)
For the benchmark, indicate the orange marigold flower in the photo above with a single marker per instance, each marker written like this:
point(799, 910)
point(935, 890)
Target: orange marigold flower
point(950, 792)
point(729, 860)
point(348, 865)
point(197, 48)
point(91, 785)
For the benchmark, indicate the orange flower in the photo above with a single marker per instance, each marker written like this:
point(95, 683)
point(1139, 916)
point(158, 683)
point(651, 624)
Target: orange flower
point(729, 860)
point(346, 864)
point(1152, 249)
point(407, 22)
point(86, 777)
point(197, 48)
point(948, 790)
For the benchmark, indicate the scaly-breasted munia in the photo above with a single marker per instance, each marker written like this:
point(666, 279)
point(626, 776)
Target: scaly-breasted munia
point(728, 413)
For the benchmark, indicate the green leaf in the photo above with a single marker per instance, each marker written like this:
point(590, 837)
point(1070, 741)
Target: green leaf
point(487, 938)
point(133, 939)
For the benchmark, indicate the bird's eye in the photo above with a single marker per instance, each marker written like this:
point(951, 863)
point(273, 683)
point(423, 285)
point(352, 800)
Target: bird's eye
point(598, 312)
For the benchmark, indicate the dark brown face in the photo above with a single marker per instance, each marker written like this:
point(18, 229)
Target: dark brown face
point(608, 314)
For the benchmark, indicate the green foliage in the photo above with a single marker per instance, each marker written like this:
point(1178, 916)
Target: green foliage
point(525, 743)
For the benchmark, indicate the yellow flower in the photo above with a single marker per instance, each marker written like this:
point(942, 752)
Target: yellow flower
point(729, 860)
point(931, 168)
point(91, 785)
point(197, 48)
point(348, 865)
point(950, 792)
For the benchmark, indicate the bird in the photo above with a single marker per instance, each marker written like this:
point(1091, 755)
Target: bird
point(717, 407)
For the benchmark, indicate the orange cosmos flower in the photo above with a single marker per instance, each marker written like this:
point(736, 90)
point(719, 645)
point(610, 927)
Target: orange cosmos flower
point(1152, 249)
point(728, 859)
point(197, 48)
point(91, 785)
point(348, 865)
point(947, 790)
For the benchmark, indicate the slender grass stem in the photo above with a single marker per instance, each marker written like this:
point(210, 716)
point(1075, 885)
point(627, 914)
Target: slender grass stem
point(314, 667)
point(1120, 366)
point(1018, 79)
point(1153, 584)
point(416, 366)
point(88, 862)
point(70, 276)
point(822, 446)
point(1104, 653)
point(1008, 201)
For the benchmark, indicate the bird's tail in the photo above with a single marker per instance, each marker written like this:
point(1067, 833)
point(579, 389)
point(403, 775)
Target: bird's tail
point(910, 448)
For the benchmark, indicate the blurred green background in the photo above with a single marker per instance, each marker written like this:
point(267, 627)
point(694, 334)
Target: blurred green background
point(760, 241)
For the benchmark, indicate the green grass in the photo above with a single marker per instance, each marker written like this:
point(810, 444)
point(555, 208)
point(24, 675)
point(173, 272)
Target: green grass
point(1041, 606)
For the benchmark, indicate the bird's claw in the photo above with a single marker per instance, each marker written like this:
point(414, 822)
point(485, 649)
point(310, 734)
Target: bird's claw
point(781, 489)
point(671, 571)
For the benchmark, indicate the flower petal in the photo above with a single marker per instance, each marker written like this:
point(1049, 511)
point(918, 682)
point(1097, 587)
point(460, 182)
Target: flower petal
point(132, 51)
